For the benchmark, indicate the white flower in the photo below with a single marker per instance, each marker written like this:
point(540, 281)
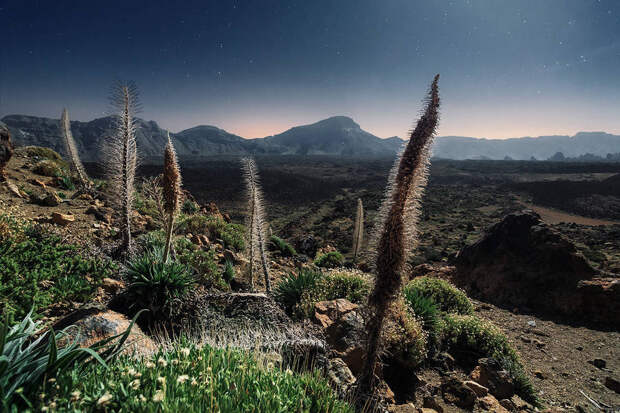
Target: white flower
point(158, 396)
point(142, 398)
point(105, 399)
point(135, 384)
point(162, 362)
point(75, 396)
point(184, 351)
point(149, 364)
point(161, 380)
point(182, 379)
point(194, 382)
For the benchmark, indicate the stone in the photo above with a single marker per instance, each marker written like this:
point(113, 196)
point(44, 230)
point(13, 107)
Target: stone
point(432, 404)
point(598, 363)
point(325, 312)
point(112, 286)
point(94, 323)
point(346, 337)
point(479, 389)
point(540, 375)
point(522, 262)
point(99, 213)
point(49, 199)
point(307, 245)
point(490, 403)
point(426, 410)
point(38, 182)
point(455, 392)
point(62, 219)
point(13, 189)
point(196, 240)
point(612, 384)
point(339, 374)
point(490, 374)
point(402, 408)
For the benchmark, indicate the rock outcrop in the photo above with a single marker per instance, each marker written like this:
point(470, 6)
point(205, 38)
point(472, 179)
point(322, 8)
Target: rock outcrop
point(522, 262)
point(6, 149)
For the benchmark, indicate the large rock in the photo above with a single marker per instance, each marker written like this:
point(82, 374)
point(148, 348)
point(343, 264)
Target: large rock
point(6, 149)
point(95, 323)
point(345, 335)
point(494, 378)
point(521, 262)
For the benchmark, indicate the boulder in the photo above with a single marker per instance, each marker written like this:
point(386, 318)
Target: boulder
point(478, 388)
point(46, 198)
point(112, 286)
point(13, 188)
point(521, 262)
point(339, 374)
point(94, 323)
point(457, 393)
point(306, 245)
point(325, 312)
point(491, 375)
point(345, 336)
point(62, 219)
point(490, 404)
point(403, 408)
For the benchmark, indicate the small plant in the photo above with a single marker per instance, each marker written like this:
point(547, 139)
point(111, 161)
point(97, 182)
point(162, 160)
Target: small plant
point(47, 167)
point(289, 291)
point(352, 285)
point(425, 310)
point(285, 249)
point(171, 185)
point(28, 356)
point(62, 195)
point(122, 157)
point(358, 230)
point(404, 338)
point(472, 338)
point(193, 379)
point(331, 259)
point(256, 224)
point(447, 297)
point(72, 151)
point(65, 182)
point(153, 282)
point(189, 207)
point(229, 272)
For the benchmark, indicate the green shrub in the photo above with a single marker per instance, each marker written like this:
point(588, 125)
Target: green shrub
point(65, 182)
point(193, 379)
point(28, 355)
point(38, 269)
point(41, 152)
point(471, 338)
point(447, 297)
point(232, 235)
point(229, 272)
point(330, 260)
point(153, 283)
point(425, 310)
point(289, 290)
point(189, 207)
point(285, 249)
point(351, 285)
point(48, 167)
point(404, 338)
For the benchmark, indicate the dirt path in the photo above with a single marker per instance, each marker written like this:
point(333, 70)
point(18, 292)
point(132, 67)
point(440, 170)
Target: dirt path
point(559, 357)
point(554, 216)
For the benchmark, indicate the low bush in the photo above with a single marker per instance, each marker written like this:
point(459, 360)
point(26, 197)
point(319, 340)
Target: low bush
point(404, 338)
point(289, 290)
point(351, 285)
point(153, 283)
point(41, 152)
point(28, 356)
point(48, 167)
point(447, 297)
point(232, 235)
point(426, 311)
point(192, 379)
point(329, 260)
point(285, 249)
point(471, 338)
point(38, 269)
point(189, 207)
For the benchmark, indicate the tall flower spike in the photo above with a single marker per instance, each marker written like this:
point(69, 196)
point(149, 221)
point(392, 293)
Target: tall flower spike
point(172, 192)
point(358, 231)
point(121, 155)
point(256, 224)
point(399, 231)
point(72, 151)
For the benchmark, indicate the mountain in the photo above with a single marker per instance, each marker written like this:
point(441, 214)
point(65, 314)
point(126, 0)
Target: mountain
point(338, 135)
point(542, 147)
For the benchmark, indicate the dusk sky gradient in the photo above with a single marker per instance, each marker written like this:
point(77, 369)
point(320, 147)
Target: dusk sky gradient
point(508, 68)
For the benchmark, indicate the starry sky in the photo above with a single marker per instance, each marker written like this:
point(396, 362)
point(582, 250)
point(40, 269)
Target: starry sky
point(255, 68)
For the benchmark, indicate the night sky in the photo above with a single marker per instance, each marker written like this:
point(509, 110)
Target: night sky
point(255, 68)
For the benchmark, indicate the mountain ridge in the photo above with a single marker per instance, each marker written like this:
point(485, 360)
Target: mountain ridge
point(336, 135)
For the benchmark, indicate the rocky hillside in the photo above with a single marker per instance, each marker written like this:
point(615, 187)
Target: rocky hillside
point(338, 135)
